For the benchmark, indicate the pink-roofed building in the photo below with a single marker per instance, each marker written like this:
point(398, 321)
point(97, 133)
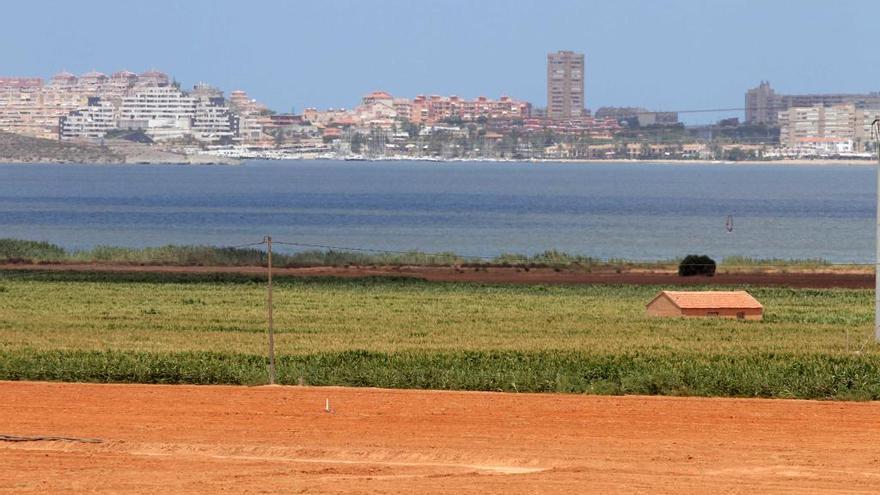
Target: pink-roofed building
point(701, 304)
point(433, 109)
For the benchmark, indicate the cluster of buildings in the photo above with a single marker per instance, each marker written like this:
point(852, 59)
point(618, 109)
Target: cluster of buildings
point(815, 124)
point(150, 104)
point(153, 108)
point(565, 113)
point(381, 109)
point(637, 115)
point(830, 130)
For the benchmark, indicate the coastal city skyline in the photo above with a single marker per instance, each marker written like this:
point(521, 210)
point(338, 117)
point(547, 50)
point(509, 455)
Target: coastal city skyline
point(661, 57)
point(154, 109)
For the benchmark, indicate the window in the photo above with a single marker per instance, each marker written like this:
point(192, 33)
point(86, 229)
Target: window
point(741, 315)
point(712, 313)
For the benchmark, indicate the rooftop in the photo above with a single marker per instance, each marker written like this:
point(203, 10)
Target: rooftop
point(64, 75)
point(94, 75)
point(379, 95)
point(124, 74)
point(711, 299)
point(154, 73)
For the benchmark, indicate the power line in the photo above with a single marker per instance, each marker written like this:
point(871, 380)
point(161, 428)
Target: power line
point(730, 109)
point(242, 246)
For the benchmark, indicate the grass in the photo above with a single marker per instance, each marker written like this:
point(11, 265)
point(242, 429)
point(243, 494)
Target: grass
point(762, 375)
point(23, 251)
point(743, 261)
point(405, 333)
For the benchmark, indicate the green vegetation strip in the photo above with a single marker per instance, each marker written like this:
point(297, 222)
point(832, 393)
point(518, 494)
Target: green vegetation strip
point(404, 333)
point(766, 375)
point(24, 251)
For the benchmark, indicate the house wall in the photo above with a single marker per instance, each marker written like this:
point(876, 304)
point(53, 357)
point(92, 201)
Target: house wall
point(662, 306)
point(750, 313)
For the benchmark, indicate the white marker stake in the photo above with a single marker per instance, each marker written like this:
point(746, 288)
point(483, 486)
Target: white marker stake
point(327, 406)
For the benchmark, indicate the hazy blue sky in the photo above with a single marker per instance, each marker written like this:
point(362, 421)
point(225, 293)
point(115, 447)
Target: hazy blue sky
point(653, 53)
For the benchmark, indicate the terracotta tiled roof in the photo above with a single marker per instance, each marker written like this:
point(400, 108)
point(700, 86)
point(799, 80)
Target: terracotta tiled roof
point(712, 299)
point(379, 94)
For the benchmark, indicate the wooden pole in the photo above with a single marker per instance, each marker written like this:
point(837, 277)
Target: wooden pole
point(876, 128)
point(269, 308)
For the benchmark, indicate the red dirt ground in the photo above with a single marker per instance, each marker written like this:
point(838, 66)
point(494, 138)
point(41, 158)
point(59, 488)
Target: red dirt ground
point(794, 278)
point(210, 439)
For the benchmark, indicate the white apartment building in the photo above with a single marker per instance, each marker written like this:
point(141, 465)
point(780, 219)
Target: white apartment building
point(71, 107)
point(92, 122)
point(165, 112)
point(213, 122)
point(162, 112)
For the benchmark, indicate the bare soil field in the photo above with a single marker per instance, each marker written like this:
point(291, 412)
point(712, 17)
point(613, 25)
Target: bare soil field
point(210, 439)
point(806, 278)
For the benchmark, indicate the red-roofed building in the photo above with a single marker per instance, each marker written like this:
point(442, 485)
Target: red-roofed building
point(332, 133)
point(378, 97)
point(701, 304)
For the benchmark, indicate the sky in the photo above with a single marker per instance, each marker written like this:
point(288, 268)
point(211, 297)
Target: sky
point(659, 54)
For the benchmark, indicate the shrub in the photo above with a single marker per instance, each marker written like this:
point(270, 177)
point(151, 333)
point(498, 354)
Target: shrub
point(18, 251)
point(696, 264)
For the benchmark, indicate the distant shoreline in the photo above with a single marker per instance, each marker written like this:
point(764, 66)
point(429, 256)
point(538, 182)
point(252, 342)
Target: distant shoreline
point(847, 162)
point(212, 160)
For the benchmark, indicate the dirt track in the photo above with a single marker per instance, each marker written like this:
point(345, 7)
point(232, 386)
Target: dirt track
point(189, 439)
point(802, 279)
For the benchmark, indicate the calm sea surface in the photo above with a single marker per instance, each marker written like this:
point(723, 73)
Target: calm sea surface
point(632, 211)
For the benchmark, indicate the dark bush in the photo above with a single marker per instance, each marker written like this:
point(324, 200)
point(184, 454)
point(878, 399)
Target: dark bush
point(696, 264)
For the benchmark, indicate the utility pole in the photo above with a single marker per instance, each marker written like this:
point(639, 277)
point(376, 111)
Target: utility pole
point(876, 127)
point(269, 306)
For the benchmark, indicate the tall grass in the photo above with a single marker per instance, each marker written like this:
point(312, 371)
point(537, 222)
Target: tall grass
point(22, 251)
point(743, 261)
point(30, 251)
point(760, 375)
point(19, 251)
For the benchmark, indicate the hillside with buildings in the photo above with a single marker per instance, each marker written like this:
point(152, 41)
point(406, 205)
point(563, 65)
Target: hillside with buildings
point(147, 117)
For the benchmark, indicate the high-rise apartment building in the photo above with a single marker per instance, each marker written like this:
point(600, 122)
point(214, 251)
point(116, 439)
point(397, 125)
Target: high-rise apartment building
point(763, 104)
point(565, 85)
point(162, 112)
point(806, 126)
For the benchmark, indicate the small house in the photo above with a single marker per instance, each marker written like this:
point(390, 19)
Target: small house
point(704, 304)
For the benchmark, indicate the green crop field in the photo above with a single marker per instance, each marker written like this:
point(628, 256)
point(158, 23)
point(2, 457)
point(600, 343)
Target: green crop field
point(405, 333)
